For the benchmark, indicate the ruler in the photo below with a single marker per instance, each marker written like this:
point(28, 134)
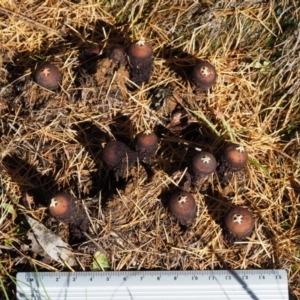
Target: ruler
point(151, 285)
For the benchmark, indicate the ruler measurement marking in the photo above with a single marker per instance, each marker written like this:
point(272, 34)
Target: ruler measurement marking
point(148, 273)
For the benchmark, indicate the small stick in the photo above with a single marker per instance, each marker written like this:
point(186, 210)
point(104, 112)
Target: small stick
point(32, 22)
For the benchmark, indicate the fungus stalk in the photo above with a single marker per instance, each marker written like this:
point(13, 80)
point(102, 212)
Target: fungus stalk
point(68, 210)
point(182, 205)
point(145, 145)
point(204, 164)
point(140, 58)
point(119, 158)
point(232, 160)
point(238, 224)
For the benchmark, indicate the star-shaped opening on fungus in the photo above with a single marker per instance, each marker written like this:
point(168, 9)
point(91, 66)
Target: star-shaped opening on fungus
point(240, 149)
point(205, 71)
point(53, 202)
point(237, 218)
point(205, 159)
point(45, 72)
point(182, 199)
point(141, 42)
point(147, 131)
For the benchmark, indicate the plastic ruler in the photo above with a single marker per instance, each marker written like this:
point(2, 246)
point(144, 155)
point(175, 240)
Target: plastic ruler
point(151, 285)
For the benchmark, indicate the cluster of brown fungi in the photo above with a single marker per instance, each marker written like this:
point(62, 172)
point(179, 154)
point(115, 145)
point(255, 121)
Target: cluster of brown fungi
point(238, 222)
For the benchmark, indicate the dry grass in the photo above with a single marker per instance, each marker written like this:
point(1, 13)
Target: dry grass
point(53, 141)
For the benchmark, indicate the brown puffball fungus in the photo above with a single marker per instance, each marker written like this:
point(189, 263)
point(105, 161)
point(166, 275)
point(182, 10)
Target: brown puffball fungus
point(48, 76)
point(119, 157)
point(92, 50)
point(66, 209)
point(238, 223)
point(204, 164)
point(113, 153)
point(233, 159)
point(182, 205)
point(145, 145)
point(140, 58)
point(61, 206)
point(204, 75)
point(236, 156)
point(117, 54)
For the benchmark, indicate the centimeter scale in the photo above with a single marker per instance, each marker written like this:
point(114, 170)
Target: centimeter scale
point(151, 285)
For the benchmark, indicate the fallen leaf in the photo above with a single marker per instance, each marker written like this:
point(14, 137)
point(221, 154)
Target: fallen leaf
point(52, 244)
point(35, 247)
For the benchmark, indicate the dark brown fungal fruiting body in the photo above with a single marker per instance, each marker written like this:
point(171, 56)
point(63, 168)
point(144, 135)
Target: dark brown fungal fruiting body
point(236, 156)
point(117, 54)
point(61, 206)
point(113, 153)
point(182, 205)
point(238, 224)
point(66, 209)
point(233, 159)
point(92, 51)
point(204, 75)
point(145, 145)
point(140, 58)
point(119, 158)
point(204, 164)
point(48, 76)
